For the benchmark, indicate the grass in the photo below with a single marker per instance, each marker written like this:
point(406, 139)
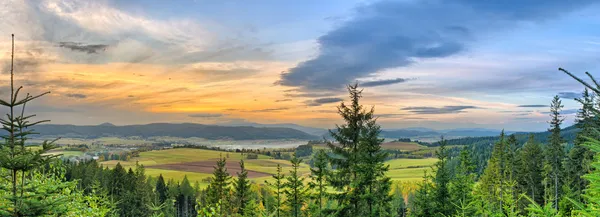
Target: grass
point(400, 169)
point(404, 146)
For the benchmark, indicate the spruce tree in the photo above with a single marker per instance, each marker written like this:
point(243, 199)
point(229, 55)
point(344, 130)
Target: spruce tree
point(491, 182)
point(591, 194)
point(441, 180)
point(22, 162)
point(579, 158)
point(161, 190)
point(242, 188)
point(278, 185)
point(318, 178)
point(554, 154)
point(530, 170)
point(218, 189)
point(423, 204)
point(372, 169)
point(461, 186)
point(295, 190)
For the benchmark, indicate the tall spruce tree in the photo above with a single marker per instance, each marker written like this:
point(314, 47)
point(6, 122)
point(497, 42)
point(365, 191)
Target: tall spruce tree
point(278, 186)
point(161, 189)
point(218, 189)
point(372, 169)
point(530, 170)
point(422, 204)
point(461, 186)
point(318, 178)
point(295, 190)
point(492, 181)
point(554, 154)
point(242, 188)
point(356, 147)
point(441, 180)
point(579, 158)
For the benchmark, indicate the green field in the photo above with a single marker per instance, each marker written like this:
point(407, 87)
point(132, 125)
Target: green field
point(400, 169)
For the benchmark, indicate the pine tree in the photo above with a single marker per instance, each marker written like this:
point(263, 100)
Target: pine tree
point(372, 169)
point(295, 190)
point(278, 185)
point(23, 163)
point(441, 181)
point(218, 188)
point(318, 182)
point(461, 186)
point(591, 194)
point(492, 181)
point(242, 188)
point(161, 190)
point(530, 170)
point(554, 154)
point(579, 158)
point(422, 204)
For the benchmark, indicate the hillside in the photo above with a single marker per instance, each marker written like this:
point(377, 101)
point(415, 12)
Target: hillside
point(567, 133)
point(184, 130)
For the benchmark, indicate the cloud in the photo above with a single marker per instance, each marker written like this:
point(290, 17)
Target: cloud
point(533, 106)
point(270, 110)
point(389, 34)
point(321, 101)
point(383, 82)
point(438, 110)
point(76, 95)
point(205, 115)
point(569, 95)
point(565, 112)
point(310, 95)
point(283, 100)
point(81, 47)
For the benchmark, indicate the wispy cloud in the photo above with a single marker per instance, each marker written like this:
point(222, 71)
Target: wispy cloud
point(81, 47)
point(321, 101)
point(383, 82)
point(438, 110)
point(569, 95)
point(76, 95)
point(205, 115)
point(533, 106)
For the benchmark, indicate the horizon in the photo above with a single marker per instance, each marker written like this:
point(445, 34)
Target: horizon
point(130, 62)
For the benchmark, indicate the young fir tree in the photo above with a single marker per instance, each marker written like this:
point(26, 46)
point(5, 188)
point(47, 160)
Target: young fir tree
point(22, 163)
point(242, 188)
point(422, 204)
point(492, 181)
point(579, 158)
point(530, 171)
point(554, 155)
point(441, 180)
point(278, 185)
point(461, 186)
point(295, 190)
point(318, 182)
point(161, 190)
point(591, 194)
point(218, 189)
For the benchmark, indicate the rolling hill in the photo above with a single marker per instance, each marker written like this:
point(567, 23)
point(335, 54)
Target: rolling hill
point(184, 130)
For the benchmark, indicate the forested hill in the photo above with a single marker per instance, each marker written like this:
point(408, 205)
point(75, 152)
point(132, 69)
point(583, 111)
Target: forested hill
point(184, 130)
point(567, 133)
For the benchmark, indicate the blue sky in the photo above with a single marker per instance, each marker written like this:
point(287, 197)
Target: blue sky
point(426, 63)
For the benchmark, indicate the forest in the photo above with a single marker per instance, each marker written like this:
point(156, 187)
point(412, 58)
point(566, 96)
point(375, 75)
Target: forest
point(508, 177)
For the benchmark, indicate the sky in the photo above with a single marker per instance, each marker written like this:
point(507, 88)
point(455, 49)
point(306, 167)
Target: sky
point(421, 63)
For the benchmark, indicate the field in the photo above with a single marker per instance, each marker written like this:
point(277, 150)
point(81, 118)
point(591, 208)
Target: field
point(198, 164)
point(404, 146)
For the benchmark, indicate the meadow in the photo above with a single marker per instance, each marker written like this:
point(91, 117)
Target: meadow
point(197, 165)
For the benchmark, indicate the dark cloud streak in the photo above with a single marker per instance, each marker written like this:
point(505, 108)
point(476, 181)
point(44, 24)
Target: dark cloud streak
point(438, 110)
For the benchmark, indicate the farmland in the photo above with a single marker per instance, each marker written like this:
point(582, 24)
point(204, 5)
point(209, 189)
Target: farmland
point(197, 165)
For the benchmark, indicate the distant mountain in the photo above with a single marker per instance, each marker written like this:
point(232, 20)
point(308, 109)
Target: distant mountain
point(184, 130)
point(106, 124)
point(310, 130)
